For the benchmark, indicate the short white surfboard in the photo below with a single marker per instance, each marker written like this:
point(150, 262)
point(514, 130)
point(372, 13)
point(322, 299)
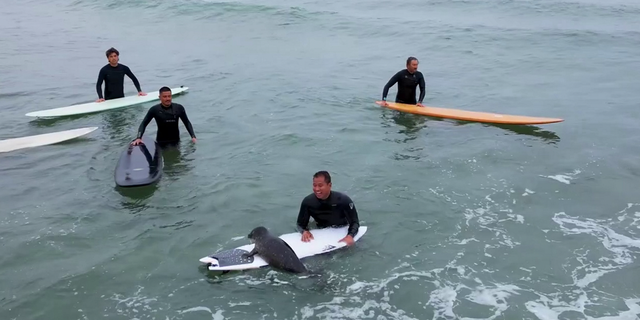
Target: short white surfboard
point(91, 107)
point(324, 240)
point(42, 139)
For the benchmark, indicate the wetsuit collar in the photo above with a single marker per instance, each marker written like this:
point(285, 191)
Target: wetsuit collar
point(328, 197)
point(167, 107)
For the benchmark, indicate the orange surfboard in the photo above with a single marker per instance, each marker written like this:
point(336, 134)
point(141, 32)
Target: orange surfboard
point(467, 115)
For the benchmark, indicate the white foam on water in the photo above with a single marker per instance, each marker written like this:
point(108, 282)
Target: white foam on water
point(586, 266)
point(564, 178)
point(527, 192)
point(443, 300)
point(495, 298)
point(620, 245)
point(214, 316)
point(462, 289)
point(465, 241)
point(137, 306)
point(634, 217)
point(552, 309)
point(582, 295)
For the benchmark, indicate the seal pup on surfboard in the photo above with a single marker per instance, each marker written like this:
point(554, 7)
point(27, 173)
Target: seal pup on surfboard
point(275, 251)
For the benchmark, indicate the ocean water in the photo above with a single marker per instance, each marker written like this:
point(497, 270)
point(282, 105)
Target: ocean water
point(466, 220)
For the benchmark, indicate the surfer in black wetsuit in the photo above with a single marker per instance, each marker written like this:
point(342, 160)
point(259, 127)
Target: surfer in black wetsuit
point(166, 114)
point(112, 75)
point(328, 208)
point(408, 79)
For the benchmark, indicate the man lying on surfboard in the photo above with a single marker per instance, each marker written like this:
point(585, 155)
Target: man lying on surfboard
point(408, 79)
point(112, 75)
point(328, 208)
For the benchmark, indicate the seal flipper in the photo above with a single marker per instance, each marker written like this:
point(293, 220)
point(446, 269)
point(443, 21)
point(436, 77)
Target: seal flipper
point(250, 254)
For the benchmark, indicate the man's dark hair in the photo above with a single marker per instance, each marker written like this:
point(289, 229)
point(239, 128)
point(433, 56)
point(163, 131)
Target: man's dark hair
point(325, 174)
point(411, 59)
point(112, 50)
point(164, 89)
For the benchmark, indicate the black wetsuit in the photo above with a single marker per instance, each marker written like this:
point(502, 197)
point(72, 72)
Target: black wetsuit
point(337, 210)
point(407, 83)
point(113, 78)
point(167, 122)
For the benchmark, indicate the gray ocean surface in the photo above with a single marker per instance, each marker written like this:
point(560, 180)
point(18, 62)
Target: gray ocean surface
point(466, 220)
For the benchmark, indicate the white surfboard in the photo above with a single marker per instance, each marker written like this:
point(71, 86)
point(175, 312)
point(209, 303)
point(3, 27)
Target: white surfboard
point(324, 240)
point(91, 107)
point(42, 139)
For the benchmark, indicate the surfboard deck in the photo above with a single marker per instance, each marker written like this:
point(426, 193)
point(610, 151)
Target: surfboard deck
point(474, 116)
point(43, 139)
point(325, 240)
point(91, 107)
point(139, 165)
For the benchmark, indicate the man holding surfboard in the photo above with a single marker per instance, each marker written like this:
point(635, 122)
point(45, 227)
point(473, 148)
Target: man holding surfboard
point(112, 75)
point(166, 114)
point(408, 79)
point(328, 208)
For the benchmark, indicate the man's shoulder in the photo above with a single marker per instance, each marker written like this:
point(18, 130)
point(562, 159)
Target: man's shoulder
point(177, 105)
point(108, 67)
point(309, 198)
point(341, 197)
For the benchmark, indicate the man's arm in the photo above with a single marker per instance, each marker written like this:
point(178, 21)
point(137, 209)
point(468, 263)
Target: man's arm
point(133, 78)
point(390, 84)
point(422, 88)
point(145, 122)
point(352, 216)
point(187, 123)
point(303, 217)
point(99, 83)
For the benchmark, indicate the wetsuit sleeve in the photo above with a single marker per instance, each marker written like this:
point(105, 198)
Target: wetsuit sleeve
point(133, 78)
point(351, 213)
point(422, 88)
point(187, 123)
point(144, 123)
point(99, 83)
point(303, 217)
point(390, 84)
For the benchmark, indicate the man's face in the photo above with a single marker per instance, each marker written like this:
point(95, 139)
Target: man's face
point(321, 188)
point(113, 58)
point(165, 98)
point(412, 66)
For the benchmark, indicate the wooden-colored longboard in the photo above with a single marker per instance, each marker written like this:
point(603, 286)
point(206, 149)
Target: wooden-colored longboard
point(475, 116)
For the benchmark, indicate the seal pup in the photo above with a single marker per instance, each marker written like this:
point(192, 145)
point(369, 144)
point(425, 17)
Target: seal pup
point(275, 251)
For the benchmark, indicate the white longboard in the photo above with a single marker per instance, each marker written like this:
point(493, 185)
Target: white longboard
point(91, 107)
point(42, 139)
point(324, 240)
